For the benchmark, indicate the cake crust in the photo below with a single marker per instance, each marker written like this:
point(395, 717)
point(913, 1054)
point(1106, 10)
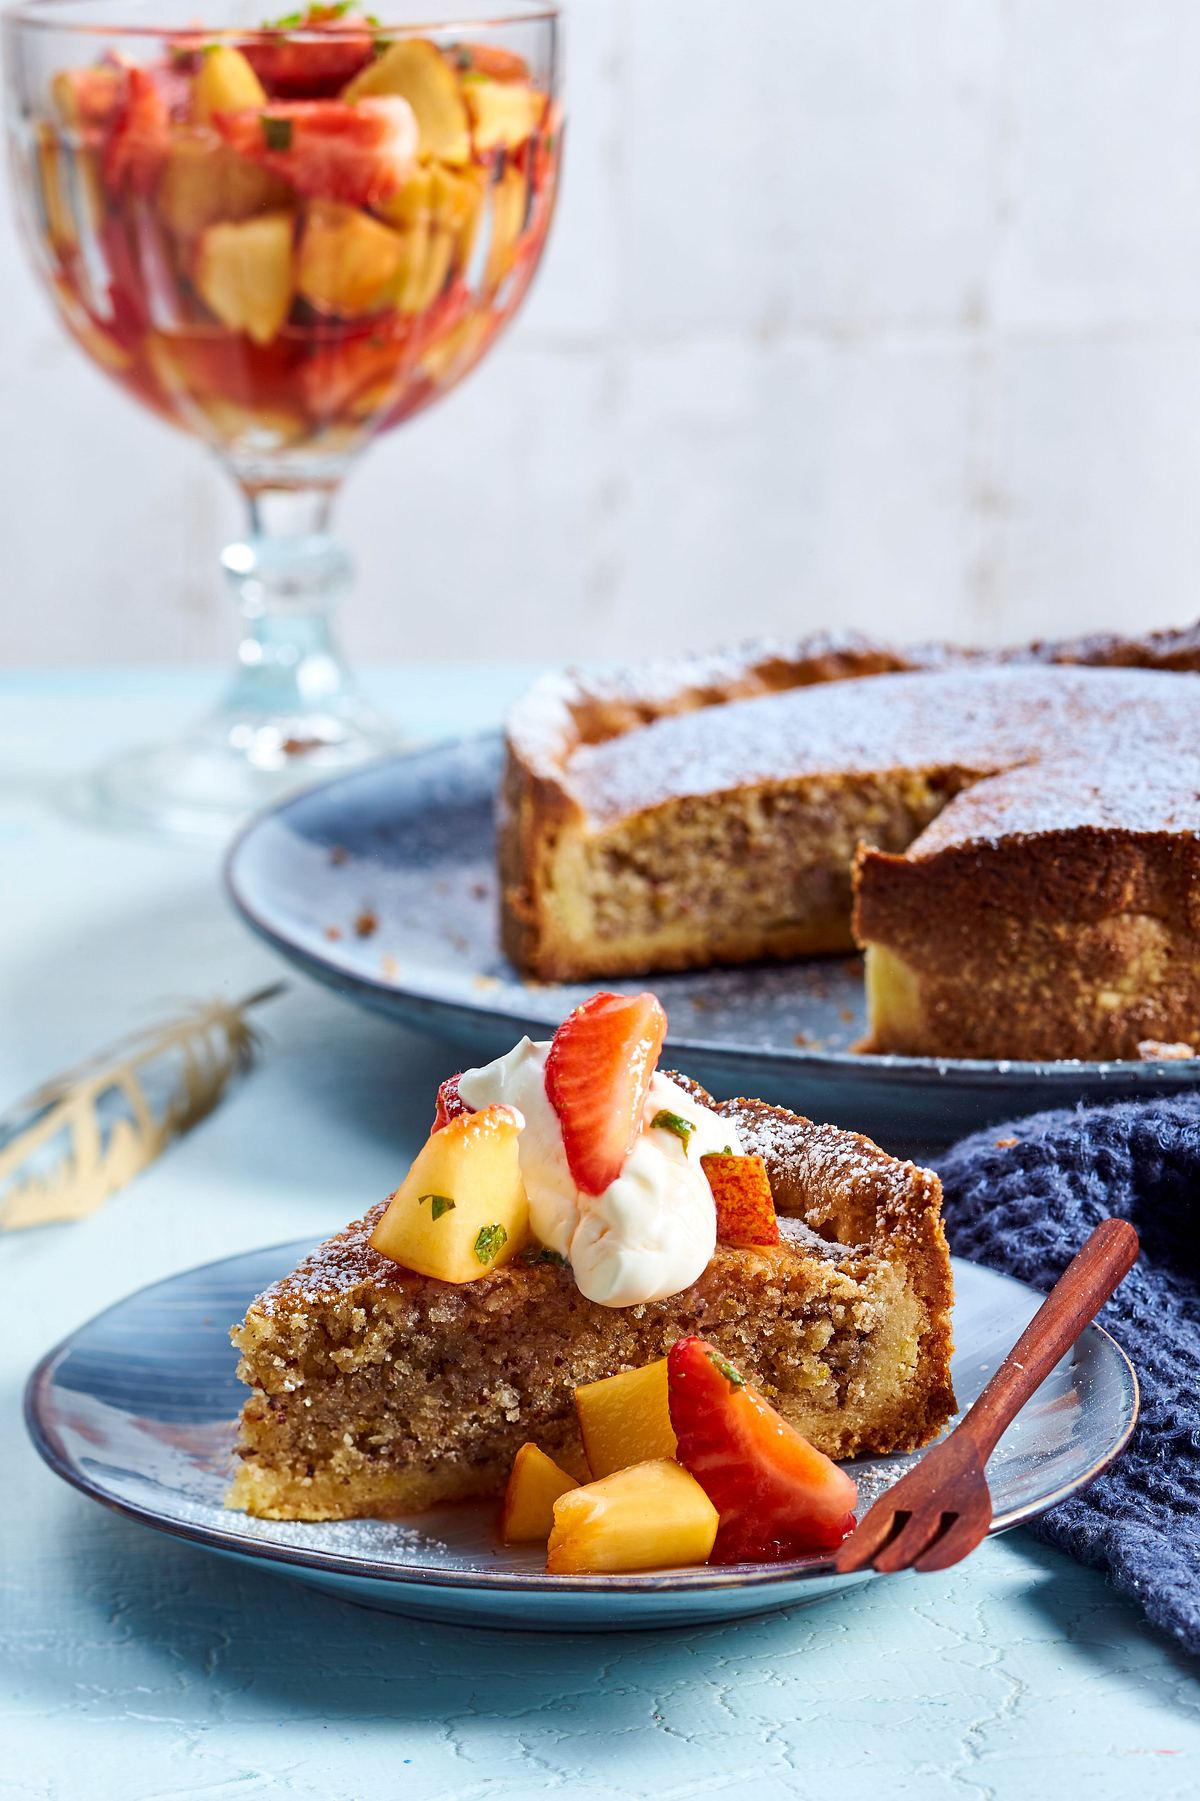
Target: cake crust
point(379, 1392)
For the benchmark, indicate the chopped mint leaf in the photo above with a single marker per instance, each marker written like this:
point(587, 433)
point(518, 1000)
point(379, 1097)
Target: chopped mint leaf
point(666, 1121)
point(734, 1377)
point(277, 133)
point(490, 1241)
point(438, 1204)
point(288, 22)
point(541, 1253)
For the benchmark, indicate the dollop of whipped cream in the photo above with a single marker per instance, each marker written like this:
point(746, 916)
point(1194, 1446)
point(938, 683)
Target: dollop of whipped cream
point(652, 1231)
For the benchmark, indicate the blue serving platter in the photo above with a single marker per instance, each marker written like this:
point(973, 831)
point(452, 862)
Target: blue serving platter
point(137, 1409)
point(382, 885)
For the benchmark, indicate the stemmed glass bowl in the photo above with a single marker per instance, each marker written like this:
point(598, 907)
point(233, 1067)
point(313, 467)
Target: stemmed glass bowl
point(285, 237)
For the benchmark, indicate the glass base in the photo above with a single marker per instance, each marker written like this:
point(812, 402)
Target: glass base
point(208, 783)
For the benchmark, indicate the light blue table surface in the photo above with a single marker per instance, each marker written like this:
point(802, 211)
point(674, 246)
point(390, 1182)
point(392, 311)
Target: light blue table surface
point(137, 1667)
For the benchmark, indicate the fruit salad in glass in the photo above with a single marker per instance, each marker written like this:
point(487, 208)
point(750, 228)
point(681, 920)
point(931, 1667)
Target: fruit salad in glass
point(284, 236)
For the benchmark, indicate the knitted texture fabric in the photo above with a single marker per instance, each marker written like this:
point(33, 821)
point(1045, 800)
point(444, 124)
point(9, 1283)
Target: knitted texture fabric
point(1022, 1198)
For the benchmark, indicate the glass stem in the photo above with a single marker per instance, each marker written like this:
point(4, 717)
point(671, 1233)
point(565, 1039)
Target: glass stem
point(287, 576)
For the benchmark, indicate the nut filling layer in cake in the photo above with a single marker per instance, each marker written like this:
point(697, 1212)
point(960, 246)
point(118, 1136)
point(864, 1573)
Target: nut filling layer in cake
point(380, 1392)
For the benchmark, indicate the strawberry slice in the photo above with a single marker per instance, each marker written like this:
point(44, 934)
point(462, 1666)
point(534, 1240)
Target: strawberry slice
point(141, 138)
point(318, 65)
point(597, 1075)
point(778, 1497)
point(328, 149)
point(450, 1103)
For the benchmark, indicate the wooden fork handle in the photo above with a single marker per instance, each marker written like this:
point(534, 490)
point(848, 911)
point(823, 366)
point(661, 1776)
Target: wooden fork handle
point(1087, 1282)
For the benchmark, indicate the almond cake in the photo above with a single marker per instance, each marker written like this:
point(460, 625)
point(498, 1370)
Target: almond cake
point(1012, 838)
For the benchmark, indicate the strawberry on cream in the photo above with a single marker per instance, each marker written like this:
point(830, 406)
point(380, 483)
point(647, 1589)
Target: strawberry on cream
point(652, 1231)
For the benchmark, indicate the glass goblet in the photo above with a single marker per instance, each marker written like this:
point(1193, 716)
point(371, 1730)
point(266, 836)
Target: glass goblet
point(286, 239)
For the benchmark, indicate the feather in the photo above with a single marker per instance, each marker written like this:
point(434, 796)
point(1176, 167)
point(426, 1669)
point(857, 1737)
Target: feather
point(79, 1138)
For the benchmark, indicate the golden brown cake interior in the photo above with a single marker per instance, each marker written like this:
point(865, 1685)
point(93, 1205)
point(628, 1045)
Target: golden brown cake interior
point(379, 1392)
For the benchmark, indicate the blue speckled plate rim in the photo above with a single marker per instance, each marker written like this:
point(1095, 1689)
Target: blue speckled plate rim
point(49, 1448)
point(429, 1010)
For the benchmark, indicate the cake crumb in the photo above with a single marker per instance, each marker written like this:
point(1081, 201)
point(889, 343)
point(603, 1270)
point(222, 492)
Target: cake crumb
point(367, 923)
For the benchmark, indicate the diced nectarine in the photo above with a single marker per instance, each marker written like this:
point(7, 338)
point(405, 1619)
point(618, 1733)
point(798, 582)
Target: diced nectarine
point(742, 1192)
point(510, 198)
point(648, 1517)
point(415, 69)
point(536, 1482)
point(503, 113)
point(225, 83)
point(204, 181)
point(461, 1211)
point(347, 259)
point(244, 274)
point(625, 1419)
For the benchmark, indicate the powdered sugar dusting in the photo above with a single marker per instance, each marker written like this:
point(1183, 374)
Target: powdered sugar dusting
point(968, 724)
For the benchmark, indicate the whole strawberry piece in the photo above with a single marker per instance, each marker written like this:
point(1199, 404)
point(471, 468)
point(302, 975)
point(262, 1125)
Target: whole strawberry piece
point(778, 1497)
point(597, 1075)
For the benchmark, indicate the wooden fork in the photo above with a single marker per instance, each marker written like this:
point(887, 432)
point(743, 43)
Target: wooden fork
point(940, 1510)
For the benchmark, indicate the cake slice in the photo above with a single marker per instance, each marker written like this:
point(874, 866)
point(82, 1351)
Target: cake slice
point(1042, 914)
point(378, 1391)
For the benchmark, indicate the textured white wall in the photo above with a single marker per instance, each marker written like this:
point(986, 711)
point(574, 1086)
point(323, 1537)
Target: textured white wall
point(883, 313)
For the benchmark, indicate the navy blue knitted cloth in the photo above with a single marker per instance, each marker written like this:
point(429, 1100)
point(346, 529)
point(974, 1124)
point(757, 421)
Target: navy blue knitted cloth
point(1026, 1207)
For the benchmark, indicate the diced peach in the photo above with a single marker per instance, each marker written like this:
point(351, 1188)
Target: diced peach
point(415, 69)
point(625, 1419)
point(742, 1192)
point(224, 83)
point(536, 1482)
point(509, 200)
point(411, 204)
point(462, 1210)
point(651, 1516)
point(244, 274)
point(204, 181)
point(503, 113)
point(347, 259)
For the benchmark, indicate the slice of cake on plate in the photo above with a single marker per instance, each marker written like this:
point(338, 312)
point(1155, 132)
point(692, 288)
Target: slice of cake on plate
point(574, 1214)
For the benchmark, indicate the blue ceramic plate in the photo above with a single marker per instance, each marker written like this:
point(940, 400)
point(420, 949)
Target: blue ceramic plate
point(137, 1409)
point(382, 884)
